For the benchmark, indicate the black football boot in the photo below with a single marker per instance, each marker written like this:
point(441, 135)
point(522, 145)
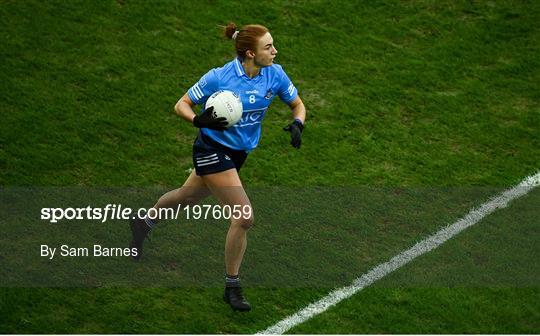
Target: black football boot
point(139, 231)
point(234, 297)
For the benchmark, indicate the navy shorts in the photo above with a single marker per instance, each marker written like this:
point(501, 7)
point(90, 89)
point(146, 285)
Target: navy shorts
point(211, 157)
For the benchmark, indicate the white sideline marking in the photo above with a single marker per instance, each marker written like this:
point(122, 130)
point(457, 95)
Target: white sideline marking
point(426, 245)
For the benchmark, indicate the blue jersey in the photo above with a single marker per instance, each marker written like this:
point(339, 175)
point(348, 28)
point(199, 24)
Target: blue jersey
point(256, 94)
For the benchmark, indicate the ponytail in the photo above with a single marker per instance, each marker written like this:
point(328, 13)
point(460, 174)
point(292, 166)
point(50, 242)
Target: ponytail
point(245, 38)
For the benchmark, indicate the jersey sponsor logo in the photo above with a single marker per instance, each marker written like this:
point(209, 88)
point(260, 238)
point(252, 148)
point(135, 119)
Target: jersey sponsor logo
point(250, 118)
point(252, 92)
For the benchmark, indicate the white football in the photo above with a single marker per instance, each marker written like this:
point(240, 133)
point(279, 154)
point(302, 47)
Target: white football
point(226, 104)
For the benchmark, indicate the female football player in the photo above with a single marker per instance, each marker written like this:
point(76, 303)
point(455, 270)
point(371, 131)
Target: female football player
point(219, 152)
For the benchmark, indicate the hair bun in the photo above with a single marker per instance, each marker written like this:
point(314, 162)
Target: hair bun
point(230, 29)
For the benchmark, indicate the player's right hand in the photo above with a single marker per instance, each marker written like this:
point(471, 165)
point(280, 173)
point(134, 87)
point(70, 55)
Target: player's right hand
point(207, 119)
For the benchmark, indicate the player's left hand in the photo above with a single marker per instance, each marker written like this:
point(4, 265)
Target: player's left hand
point(296, 128)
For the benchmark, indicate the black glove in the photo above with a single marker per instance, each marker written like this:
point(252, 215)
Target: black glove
point(296, 128)
point(207, 119)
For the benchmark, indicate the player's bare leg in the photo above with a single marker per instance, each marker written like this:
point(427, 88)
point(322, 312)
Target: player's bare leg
point(193, 191)
point(227, 188)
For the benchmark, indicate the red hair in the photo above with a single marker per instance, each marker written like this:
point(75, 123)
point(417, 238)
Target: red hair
point(247, 38)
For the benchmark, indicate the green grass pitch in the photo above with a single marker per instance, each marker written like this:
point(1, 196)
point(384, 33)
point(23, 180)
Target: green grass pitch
point(401, 96)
